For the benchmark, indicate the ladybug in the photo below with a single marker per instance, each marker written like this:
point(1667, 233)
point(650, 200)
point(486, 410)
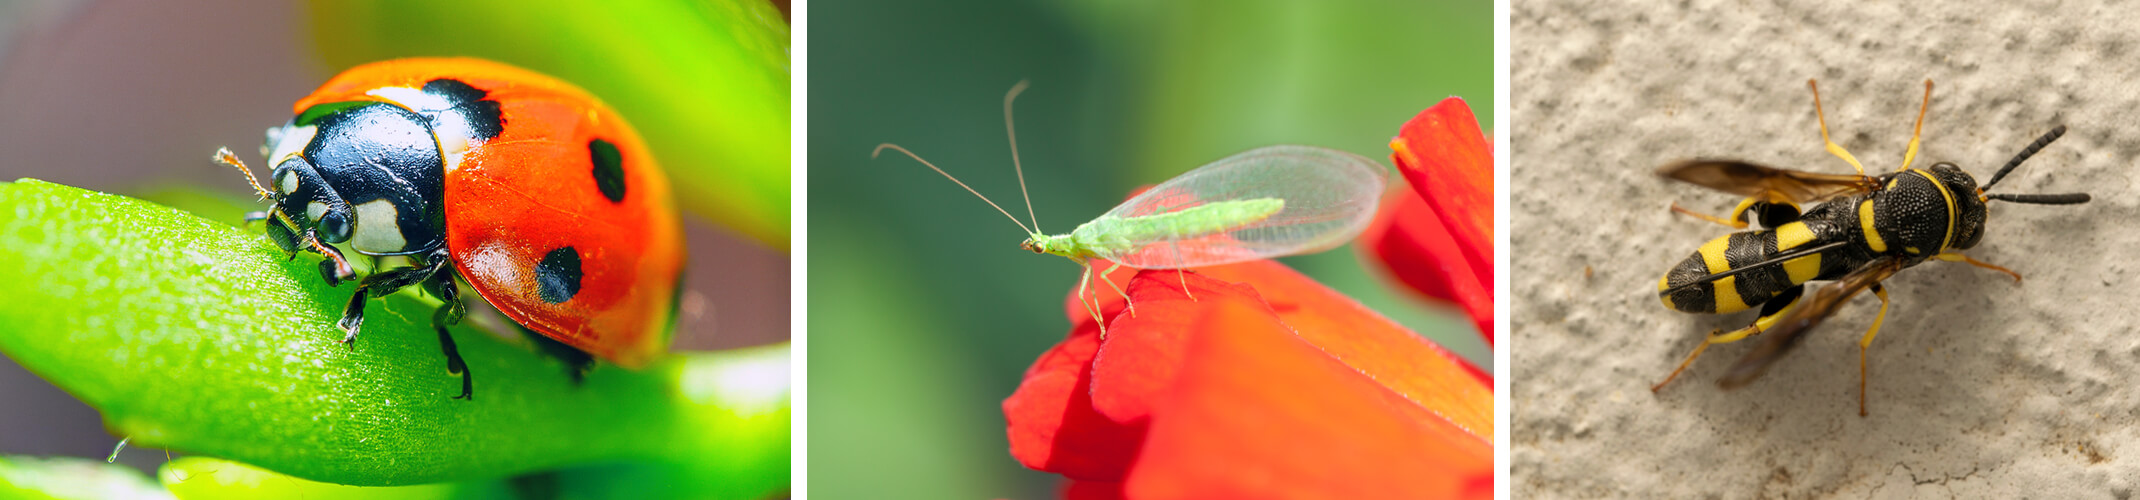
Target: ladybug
point(528, 189)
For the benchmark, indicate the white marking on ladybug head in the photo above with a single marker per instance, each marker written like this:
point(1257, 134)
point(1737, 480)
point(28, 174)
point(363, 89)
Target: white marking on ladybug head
point(314, 210)
point(378, 228)
point(286, 182)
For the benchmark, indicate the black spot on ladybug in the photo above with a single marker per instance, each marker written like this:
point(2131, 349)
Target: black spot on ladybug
point(557, 277)
point(481, 113)
point(608, 169)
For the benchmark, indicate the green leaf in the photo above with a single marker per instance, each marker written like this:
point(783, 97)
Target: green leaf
point(67, 478)
point(197, 336)
point(706, 82)
point(200, 478)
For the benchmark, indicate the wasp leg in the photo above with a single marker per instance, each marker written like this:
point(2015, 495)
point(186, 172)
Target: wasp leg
point(384, 284)
point(1911, 154)
point(1956, 257)
point(1771, 312)
point(1734, 221)
point(449, 313)
point(1833, 148)
point(1773, 214)
point(1865, 343)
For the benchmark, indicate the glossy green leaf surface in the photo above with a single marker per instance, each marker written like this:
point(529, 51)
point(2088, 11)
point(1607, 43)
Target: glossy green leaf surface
point(706, 82)
point(200, 337)
point(67, 478)
point(200, 478)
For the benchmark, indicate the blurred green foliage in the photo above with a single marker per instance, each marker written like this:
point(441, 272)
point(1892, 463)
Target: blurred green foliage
point(924, 313)
point(706, 82)
point(203, 478)
point(194, 335)
point(67, 478)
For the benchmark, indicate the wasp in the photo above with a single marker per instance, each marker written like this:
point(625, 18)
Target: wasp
point(1860, 230)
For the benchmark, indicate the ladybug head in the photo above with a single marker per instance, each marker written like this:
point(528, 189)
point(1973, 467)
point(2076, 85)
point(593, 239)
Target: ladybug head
point(304, 203)
point(306, 210)
point(302, 195)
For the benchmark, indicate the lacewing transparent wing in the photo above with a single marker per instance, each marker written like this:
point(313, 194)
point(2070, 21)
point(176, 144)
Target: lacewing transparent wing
point(1223, 211)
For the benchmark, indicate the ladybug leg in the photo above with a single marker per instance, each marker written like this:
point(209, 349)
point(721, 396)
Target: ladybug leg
point(381, 285)
point(278, 233)
point(335, 269)
point(577, 362)
point(450, 313)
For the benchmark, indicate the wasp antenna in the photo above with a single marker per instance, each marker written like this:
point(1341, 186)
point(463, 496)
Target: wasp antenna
point(2042, 199)
point(1012, 128)
point(224, 156)
point(947, 175)
point(2024, 156)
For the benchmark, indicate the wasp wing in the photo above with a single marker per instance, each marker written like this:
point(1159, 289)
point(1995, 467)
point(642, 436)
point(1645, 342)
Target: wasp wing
point(1325, 198)
point(1769, 184)
point(1787, 334)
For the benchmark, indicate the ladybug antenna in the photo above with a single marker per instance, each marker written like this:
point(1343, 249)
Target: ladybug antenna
point(224, 156)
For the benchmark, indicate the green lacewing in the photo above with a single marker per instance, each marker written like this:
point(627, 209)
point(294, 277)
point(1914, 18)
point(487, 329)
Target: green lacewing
point(1267, 202)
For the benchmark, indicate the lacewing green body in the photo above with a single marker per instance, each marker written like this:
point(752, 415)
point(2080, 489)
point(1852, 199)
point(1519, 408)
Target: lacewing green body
point(1267, 202)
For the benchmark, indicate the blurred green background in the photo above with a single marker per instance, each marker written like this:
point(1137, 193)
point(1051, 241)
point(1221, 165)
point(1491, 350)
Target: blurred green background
point(924, 313)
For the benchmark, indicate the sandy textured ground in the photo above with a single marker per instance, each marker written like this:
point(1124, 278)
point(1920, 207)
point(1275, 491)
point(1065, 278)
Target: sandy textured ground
point(1981, 388)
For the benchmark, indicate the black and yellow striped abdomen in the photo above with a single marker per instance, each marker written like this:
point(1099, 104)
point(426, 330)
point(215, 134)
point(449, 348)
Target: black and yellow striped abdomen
point(1738, 251)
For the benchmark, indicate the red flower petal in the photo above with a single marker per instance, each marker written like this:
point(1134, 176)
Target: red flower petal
point(1408, 239)
point(1450, 164)
point(1137, 361)
point(1374, 345)
point(1092, 490)
point(1257, 412)
point(1437, 238)
point(1089, 423)
point(1051, 421)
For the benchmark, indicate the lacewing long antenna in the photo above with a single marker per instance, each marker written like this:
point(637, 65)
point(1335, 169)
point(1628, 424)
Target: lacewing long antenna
point(947, 175)
point(1012, 129)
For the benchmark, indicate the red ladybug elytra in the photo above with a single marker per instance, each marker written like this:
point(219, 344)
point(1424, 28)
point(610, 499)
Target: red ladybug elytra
point(539, 196)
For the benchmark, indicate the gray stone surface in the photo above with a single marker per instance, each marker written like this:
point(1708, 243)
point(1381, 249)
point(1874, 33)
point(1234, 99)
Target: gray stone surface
point(1981, 388)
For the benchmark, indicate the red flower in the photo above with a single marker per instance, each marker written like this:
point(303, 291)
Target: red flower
point(1253, 381)
point(1286, 389)
point(1437, 237)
